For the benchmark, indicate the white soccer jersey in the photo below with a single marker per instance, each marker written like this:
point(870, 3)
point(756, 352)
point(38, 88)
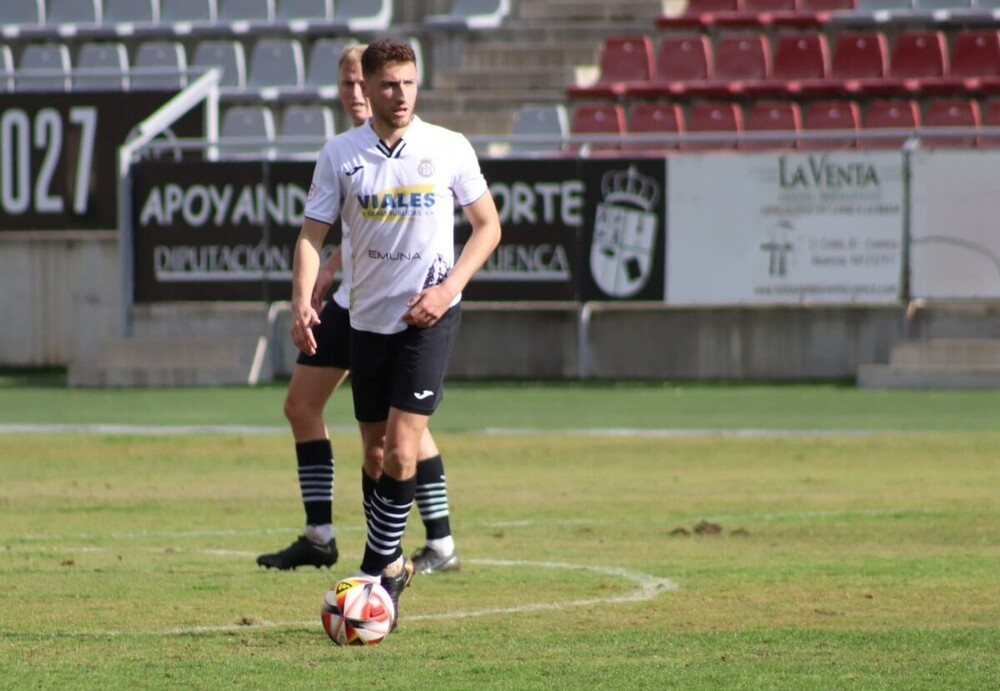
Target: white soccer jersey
point(399, 206)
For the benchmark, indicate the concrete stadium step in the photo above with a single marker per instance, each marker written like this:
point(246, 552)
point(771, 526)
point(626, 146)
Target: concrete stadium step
point(982, 352)
point(590, 9)
point(507, 54)
point(936, 364)
point(141, 362)
point(474, 124)
point(507, 78)
point(922, 377)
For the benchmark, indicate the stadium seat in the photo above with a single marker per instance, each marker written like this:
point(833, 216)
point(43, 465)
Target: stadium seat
point(739, 57)
point(811, 13)
point(43, 67)
point(755, 13)
point(17, 15)
point(304, 16)
point(798, 56)
point(126, 17)
point(181, 17)
point(471, 14)
point(896, 114)
point(304, 129)
point(548, 120)
point(623, 59)
point(772, 116)
point(356, 16)
point(6, 69)
point(916, 54)
point(680, 58)
point(654, 118)
point(226, 54)
point(67, 16)
point(275, 63)
point(830, 115)
point(101, 66)
point(990, 118)
point(724, 120)
point(322, 67)
point(242, 17)
point(950, 112)
point(699, 14)
point(600, 119)
point(159, 65)
point(973, 65)
point(857, 56)
point(246, 132)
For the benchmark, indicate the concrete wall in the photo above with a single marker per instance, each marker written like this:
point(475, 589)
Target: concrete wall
point(59, 296)
point(60, 303)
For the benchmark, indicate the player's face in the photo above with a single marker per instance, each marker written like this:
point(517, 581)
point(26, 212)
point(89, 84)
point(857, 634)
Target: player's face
point(352, 94)
point(392, 93)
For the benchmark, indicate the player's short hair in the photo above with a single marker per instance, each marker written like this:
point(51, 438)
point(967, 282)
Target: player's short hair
point(351, 54)
point(380, 53)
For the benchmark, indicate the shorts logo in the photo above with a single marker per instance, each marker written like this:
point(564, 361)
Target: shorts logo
point(422, 395)
point(426, 167)
point(621, 254)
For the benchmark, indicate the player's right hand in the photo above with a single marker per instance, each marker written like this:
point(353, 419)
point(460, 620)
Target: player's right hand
point(303, 320)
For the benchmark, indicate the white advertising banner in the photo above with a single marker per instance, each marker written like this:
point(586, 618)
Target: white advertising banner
point(821, 227)
point(955, 224)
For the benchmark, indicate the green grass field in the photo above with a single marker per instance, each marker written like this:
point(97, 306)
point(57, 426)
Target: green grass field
point(640, 536)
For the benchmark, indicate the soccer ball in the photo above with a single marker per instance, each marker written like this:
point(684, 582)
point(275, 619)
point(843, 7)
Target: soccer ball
point(357, 611)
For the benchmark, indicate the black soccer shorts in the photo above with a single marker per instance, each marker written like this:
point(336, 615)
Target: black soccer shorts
point(333, 338)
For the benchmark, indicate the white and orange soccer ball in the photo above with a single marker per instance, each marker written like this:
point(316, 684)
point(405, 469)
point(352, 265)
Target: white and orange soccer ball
point(357, 611)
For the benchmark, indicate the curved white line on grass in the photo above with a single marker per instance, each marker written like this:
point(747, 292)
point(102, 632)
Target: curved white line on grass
point(153, 430)
point(647, 587)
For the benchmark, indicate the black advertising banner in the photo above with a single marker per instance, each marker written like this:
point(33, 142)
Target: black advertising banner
point(217, 231)
point(542, 206)
point(59, 155)
point(572, 230)
point(622, 247)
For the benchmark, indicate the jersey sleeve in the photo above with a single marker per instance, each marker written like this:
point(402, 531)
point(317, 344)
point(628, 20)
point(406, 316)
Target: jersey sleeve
point(323, 199)
point(468, 183)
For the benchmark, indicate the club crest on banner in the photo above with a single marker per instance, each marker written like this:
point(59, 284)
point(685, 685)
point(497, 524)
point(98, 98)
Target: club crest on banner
point(621, 254)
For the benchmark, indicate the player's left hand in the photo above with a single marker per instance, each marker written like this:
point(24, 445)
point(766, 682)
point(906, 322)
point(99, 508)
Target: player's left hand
point(427, 306)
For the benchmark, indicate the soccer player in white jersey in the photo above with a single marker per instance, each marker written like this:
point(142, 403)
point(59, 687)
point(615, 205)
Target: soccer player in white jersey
point(394, 181)
point(315, 378)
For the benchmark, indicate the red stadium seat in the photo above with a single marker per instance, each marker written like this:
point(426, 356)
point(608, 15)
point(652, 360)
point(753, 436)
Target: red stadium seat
point(772, 116)
point(797, 57)
point(857, 56)
point(705, 117)
point(680, 58)
point(623, 59)
point(830, 115)
point(950, 112)
point(897, 114)
point(917, 54)
point(647, 118)
point(739, 57)
point(812, 13)
point(597, 118)
point(973, 65)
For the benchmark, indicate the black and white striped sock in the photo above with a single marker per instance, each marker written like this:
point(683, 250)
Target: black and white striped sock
point(432, 497)
point(390, 507)
point(316, 475)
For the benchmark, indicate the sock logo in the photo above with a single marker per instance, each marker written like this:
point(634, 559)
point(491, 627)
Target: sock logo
point(422, 395)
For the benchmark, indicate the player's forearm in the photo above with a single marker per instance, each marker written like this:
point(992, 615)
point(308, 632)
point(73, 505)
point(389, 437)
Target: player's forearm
point(306, 263)
point(477, 250)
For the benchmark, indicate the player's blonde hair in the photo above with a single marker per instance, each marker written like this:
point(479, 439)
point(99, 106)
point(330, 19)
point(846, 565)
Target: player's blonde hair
point(351, 54)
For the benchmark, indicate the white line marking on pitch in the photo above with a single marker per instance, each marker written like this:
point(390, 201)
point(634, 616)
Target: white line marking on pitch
point(647, 588)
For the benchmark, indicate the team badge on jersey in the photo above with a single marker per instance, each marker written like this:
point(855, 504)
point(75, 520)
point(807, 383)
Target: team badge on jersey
point(621, 255)
point(426, 167)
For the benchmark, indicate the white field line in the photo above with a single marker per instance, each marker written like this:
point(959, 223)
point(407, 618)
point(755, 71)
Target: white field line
point(747, 433)
point(646, 587)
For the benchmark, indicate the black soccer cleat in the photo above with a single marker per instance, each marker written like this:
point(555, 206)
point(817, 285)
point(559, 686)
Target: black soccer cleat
point(429, 560)
point(394, 585)
point(302, 552)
